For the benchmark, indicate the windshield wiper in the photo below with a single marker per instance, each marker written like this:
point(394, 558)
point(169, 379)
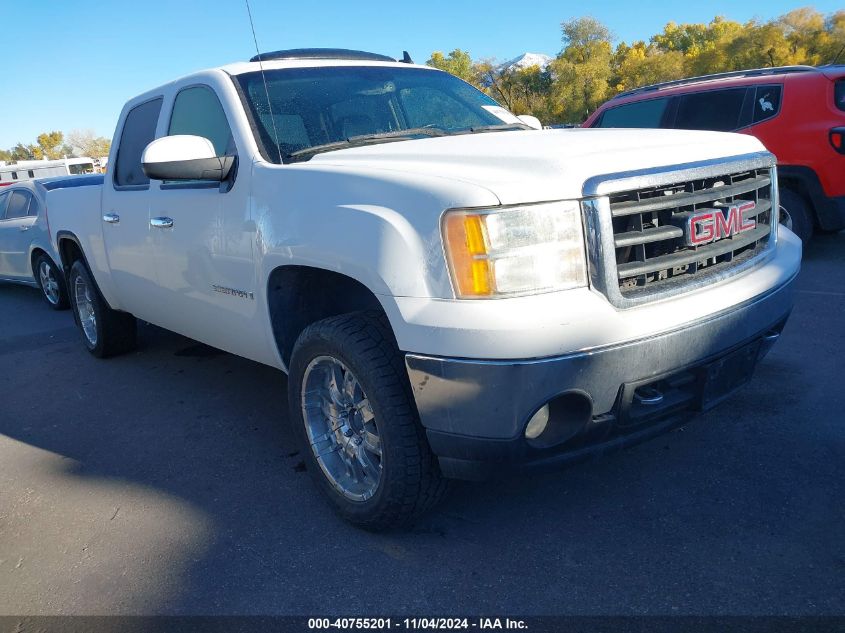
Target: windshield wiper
point(410, 132)
point(366, 139)
point(499, 127)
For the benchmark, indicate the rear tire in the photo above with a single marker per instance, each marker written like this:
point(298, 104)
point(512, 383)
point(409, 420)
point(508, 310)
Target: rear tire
point(796, 214)
point(105, 332)
point(52, 283)
point(353, 411)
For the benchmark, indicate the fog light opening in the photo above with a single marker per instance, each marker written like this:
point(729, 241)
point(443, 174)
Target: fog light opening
point(538, 423)
point(559, 420)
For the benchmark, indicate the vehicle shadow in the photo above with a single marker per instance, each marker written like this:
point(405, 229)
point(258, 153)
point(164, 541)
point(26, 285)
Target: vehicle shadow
point(730, 514)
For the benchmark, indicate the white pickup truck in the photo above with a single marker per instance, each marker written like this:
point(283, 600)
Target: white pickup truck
point(451, 293)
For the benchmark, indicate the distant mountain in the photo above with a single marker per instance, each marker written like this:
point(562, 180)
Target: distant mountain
point(526, 60)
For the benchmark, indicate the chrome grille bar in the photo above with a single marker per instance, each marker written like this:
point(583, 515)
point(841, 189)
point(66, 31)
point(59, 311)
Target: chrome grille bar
point(702, 253)
point(637, 222)
point(689, 198)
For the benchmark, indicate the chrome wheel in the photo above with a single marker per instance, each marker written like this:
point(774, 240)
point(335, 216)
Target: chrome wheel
point(49, 283)
point(85, 309)
point(341, 428)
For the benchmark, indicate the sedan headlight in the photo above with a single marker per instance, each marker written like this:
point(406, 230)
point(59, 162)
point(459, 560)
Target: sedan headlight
point(515, 250)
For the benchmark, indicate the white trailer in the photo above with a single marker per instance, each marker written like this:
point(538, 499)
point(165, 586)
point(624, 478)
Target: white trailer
point(32, 169)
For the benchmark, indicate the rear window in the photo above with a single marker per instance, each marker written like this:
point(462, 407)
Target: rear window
point(716, 110)
point(839, 94)
point(638, 114)
point(766, 103)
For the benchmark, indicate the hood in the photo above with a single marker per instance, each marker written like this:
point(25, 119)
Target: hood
point(538, 165)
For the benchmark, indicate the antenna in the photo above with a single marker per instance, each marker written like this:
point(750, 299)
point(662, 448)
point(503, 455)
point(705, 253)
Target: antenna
point(264, 79)
point(838, 55)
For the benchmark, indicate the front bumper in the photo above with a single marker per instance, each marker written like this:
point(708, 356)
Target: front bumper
point(475, 411)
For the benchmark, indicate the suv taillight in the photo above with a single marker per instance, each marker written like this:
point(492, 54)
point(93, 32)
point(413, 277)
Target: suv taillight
point(839, 93)
point(837, 139)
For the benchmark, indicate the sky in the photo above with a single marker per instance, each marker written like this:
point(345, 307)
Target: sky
point(72, 65)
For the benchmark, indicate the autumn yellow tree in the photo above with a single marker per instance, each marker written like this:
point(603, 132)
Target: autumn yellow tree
point(582, 72)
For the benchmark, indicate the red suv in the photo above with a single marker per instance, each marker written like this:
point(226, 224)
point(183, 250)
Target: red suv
point(798, 112)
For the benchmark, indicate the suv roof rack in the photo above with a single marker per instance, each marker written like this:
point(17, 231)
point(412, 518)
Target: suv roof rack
point(755, 72)
point(321, 53)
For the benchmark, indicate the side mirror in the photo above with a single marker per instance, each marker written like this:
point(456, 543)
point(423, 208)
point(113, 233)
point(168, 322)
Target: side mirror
point(530, 121)
point(185, 157)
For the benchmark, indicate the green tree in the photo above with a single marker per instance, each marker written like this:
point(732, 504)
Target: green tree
point(805, 31)
point(760, 45)
point(835, 27)
point(643, 64)
point(458, 63)
point(24, 152)
point(581, 73)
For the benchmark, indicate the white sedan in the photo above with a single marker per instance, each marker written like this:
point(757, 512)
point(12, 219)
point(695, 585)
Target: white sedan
point(26, 253)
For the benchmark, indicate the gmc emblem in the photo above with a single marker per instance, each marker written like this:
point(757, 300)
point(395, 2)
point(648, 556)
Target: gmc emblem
point(708, 225)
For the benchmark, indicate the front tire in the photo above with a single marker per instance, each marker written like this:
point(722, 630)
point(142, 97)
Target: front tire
point(105, 332)
point(352, 408)
point(52, 283)
point(795, 214)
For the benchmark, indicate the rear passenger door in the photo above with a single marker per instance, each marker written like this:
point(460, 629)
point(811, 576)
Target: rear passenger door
point(716, 110)
point(125, 215)
point(16, 221)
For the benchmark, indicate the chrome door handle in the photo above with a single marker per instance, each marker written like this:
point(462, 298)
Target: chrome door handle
point(111, 218)
point(161, 223)
point(25, 228)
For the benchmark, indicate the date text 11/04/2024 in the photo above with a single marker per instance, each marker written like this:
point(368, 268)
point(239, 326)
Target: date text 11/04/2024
point(417, 623)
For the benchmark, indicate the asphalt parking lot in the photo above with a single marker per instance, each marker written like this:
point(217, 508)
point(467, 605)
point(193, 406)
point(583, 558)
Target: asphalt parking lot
point(167, 482)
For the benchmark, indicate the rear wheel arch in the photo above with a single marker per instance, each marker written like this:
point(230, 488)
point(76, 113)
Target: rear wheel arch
point(298, 296)
point(50, 278)
point(69, 249)
point(34, 256)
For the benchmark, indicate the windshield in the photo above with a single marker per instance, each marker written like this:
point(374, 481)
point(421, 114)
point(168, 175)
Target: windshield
point(344, 106)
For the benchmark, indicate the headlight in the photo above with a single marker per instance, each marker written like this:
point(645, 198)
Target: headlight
point(517, 250)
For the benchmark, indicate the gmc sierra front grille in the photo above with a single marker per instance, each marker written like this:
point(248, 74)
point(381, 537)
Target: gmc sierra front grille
point(671, 234)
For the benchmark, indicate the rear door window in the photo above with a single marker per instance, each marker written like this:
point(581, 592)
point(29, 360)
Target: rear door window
point(716, 110)
point(19, 202)
point(648, 114)
point(766, 102)
point(4, 198)
point(839, 94)
point(139, 130)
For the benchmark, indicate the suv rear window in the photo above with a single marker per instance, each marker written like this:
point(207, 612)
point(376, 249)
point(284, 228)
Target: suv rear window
point(716, 110)
point(766, 102)
point(839, 94)
point(647, 113)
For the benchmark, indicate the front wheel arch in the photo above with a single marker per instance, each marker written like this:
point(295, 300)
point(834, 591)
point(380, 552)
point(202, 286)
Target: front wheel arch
point(298, 296)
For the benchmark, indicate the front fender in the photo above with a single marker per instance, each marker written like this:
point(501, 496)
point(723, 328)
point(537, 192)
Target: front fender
point(380, 229)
